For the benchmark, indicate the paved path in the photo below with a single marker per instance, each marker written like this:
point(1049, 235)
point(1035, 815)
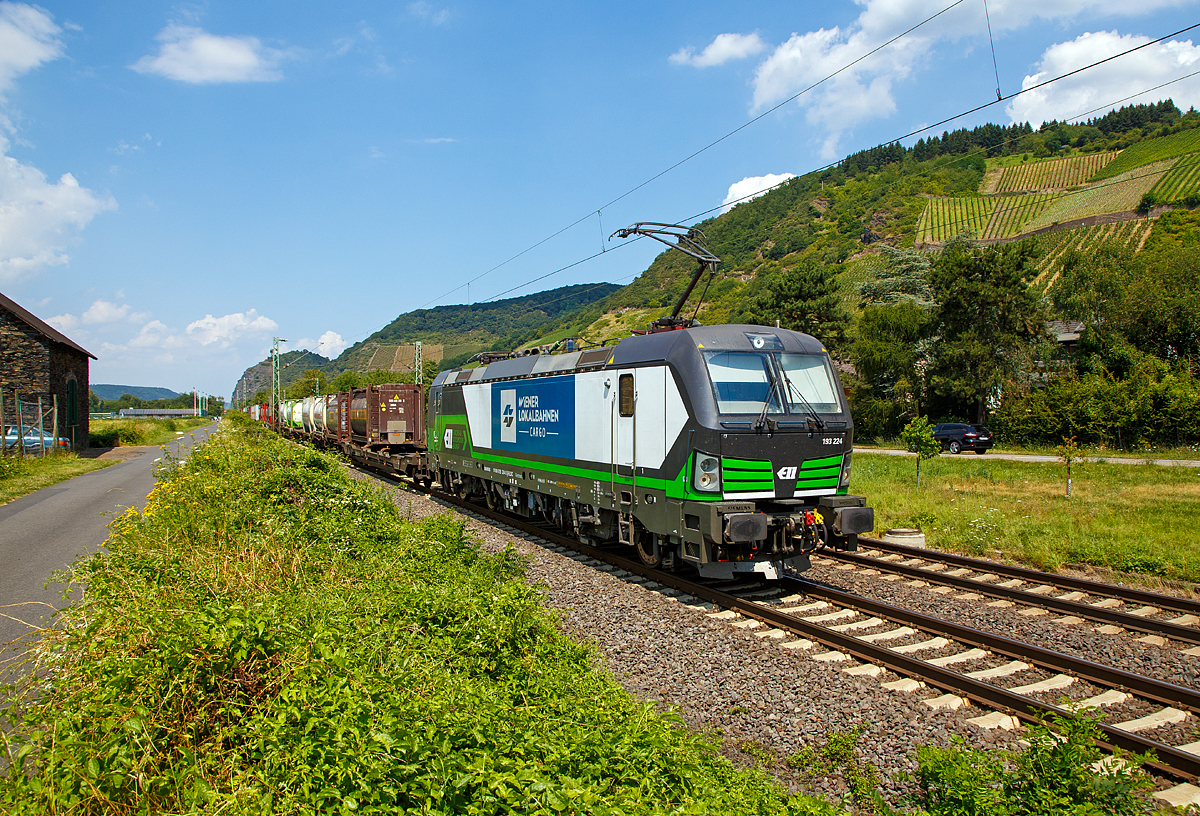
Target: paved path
point(1028, 457)
point(47, 530)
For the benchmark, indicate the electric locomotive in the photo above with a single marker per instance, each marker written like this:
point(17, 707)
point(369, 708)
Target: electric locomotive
point(726, 447)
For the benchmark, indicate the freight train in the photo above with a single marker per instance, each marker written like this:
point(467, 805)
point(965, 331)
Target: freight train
point(724, 449)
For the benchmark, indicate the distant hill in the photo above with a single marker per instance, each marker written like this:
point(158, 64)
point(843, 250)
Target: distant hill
point(450, 335)
point(106, 391)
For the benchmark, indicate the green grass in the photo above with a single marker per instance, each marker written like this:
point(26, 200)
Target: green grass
point(271, 636)
point(1150, 151)
point(1131, 518)
point(21, 476)
point(111, 433)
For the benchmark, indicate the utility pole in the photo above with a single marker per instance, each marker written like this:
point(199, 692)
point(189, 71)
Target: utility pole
point(418, 365)
point(276, 391)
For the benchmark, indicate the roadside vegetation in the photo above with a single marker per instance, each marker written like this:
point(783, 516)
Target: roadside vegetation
point(1121, 517)
point(112, 433)
point(22, 475)
point(270, 636)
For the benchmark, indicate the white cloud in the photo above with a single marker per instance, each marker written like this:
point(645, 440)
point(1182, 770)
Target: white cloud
point(63, 322)
point(330, 344)
point(28, 37)
point(39, 219)
point(427, 12)
point(753, 187)
point(190, 54)
point(722, 49)
point(864, 92)
point(1106, 83)
point(155, 334)
point(101, 311)
point(229, 328)
point(375, 153)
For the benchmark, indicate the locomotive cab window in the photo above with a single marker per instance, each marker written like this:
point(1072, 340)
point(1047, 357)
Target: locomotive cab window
point(808, 379)
point(625, 394)
point(743, 382)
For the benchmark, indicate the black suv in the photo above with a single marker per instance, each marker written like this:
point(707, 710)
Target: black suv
point(956, 438)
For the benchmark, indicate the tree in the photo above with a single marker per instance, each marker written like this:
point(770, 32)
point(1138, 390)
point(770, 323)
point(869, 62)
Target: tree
point(903, 277)
point(311, 383)
point(1068, 452)
point(804, 298)
point(889, 351)
point(917, 437)
point(987, 316)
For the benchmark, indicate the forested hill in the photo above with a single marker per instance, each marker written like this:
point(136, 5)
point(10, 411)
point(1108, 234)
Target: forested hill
point(450, 334)
point(993, 183)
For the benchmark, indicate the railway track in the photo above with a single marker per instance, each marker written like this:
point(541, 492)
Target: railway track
point(1158, 616)
point(910, 652)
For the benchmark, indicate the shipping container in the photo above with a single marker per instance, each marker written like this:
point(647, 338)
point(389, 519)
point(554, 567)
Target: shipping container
point(388, 415)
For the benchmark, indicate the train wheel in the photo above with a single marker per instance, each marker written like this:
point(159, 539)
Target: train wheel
point(647, 548)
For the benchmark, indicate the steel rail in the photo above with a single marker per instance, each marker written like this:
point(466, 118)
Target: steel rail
point(1168, 761)
point(1175, 631)
point(1173, 602)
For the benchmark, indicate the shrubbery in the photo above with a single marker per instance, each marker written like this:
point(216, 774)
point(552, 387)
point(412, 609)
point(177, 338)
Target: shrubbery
point(271, 636)
point(1151, 407)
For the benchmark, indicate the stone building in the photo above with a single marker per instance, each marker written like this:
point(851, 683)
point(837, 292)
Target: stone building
point(38, 361)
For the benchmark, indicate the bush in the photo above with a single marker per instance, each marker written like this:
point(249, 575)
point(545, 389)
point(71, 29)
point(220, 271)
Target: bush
point(270, 636)
point(1053, 776)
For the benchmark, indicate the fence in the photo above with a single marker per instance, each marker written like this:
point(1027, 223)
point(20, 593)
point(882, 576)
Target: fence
point(30, 424)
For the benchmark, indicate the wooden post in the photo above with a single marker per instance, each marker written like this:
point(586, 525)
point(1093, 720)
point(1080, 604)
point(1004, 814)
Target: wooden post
point(41, 428)
point(54, 423)
point(20, 426)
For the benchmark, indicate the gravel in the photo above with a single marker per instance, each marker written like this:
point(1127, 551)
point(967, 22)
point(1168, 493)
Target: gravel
point(759, 696)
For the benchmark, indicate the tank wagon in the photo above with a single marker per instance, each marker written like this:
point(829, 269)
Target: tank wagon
point(724, 448)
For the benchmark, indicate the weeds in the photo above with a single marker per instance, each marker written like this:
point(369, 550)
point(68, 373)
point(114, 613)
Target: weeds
point(269, 636)
point(1056, 774)
point(840, 754)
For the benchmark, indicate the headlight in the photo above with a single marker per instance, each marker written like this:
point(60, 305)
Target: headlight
point(708, 473)
point(844, 481)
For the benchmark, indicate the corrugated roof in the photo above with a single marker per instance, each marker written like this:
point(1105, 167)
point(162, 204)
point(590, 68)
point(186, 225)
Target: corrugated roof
point(42, 327)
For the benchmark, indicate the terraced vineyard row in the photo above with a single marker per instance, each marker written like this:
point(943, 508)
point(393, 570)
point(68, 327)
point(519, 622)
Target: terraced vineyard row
point(946, 217)
point(1180, 181)
point(1054, 174)
point(1056, 244)
point(1012, 212)
point(1153, 150)
point(1118, 194)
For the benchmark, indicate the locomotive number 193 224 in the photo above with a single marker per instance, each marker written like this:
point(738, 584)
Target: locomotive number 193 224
point(832, 440)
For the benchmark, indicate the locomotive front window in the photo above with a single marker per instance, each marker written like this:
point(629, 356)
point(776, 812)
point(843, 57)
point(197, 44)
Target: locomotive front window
point(808, 378)
point(742, 382)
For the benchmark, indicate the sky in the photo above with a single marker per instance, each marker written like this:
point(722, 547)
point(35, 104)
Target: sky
point(180, 183)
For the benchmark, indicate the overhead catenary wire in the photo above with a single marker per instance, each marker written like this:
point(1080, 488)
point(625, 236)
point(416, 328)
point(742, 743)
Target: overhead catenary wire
point(910, 134)
point(706, 147)
point(820, 169)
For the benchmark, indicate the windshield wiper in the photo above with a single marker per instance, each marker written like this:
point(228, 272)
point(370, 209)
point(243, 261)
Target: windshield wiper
point(763, 421)
point(793, 390)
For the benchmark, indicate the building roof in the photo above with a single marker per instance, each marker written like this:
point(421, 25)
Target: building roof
point(42, 327)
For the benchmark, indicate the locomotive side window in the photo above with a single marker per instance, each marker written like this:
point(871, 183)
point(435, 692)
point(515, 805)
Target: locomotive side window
point(625, 394)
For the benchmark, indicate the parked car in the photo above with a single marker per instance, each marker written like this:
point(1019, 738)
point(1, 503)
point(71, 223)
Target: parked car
point(957, 437)
point(32, 439)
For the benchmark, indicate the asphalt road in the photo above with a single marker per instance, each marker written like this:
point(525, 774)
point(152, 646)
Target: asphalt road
point(1027, 457)
point(46, 531)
